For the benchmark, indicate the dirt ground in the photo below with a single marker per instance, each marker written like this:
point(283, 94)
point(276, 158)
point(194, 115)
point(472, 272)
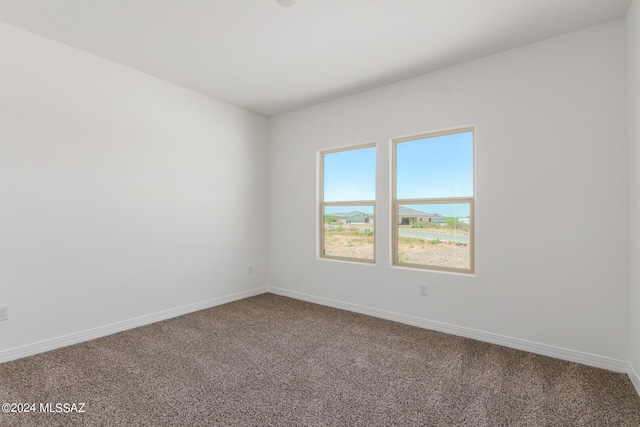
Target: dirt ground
point(443, 230)
point(443, 254)
point(349, 243)
point(354, 243)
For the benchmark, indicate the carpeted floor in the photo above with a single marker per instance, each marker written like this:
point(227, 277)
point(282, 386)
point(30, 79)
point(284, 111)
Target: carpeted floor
point(270, 360)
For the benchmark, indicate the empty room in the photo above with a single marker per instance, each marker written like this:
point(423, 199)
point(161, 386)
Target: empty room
point(320, 212)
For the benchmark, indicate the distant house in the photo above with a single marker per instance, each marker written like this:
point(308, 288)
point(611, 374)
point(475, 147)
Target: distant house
point(355, 217)
point(406, 216)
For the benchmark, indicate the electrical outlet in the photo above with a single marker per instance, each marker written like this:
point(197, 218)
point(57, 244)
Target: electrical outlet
point(250, 269)
point(4, 312)
point(423, 289)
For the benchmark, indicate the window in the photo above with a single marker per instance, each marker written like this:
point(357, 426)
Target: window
point(433, 201)
point(347, 203)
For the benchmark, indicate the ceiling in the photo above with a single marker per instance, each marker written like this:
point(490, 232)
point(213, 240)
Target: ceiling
point(272, 59)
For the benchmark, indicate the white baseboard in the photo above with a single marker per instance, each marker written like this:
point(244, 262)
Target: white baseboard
point(78, 337)
point(533, 347)
point(634, 377)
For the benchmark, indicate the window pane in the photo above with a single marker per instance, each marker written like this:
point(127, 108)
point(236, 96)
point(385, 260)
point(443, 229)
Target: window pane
point(348, 232)
point(435, 235)
point(435, 167)
point(350, 175)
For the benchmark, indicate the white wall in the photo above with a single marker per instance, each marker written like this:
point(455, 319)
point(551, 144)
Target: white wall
point(121, 194)
point(633, 46)
point(552, 194)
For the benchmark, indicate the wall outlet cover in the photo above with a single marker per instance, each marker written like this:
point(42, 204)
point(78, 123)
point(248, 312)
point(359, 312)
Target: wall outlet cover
point(4, 312)
point(423, 289)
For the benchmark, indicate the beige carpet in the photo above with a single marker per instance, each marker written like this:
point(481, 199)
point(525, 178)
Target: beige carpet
point(275, 361)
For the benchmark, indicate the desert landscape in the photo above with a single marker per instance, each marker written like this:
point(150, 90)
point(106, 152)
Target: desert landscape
point(356, 241)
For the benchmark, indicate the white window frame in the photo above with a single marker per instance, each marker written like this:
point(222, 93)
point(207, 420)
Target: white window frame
point(323, 204)
point(426, 201)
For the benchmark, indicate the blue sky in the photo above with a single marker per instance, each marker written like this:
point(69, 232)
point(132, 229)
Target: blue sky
point(435, 167)
point(427, 168)
point(350, 175)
